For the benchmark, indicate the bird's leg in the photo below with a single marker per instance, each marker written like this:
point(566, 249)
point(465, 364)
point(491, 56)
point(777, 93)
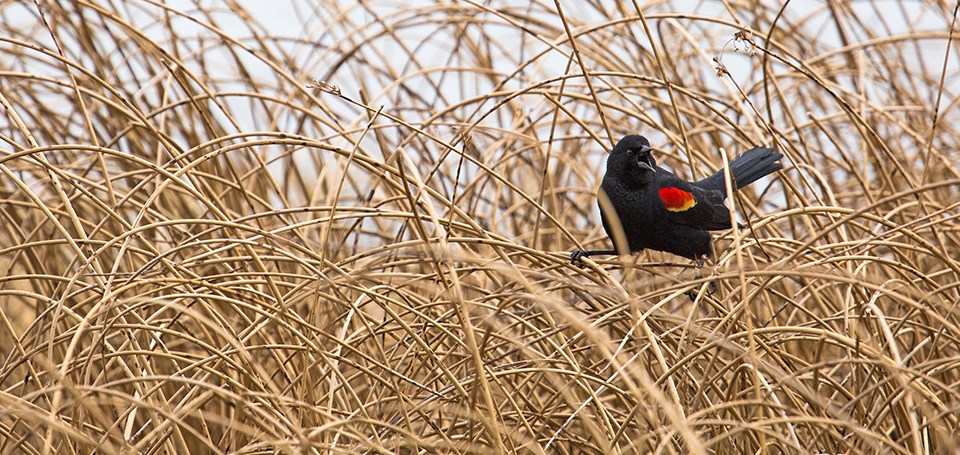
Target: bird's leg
point(713, 283)
point(577, 256)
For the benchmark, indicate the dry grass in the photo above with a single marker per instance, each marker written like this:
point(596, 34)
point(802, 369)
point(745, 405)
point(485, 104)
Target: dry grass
point(205, 250)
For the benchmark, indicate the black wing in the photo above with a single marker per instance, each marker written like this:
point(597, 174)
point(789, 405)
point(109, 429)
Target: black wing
point(690, 205)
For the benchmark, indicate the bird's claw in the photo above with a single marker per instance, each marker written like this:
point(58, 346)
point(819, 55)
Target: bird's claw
point(712, 285)
point(576, 258)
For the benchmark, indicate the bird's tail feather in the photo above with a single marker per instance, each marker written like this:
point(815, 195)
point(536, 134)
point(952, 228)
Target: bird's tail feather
point(746, 169)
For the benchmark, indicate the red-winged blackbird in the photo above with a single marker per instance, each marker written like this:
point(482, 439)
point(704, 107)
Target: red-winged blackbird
point(657, 210)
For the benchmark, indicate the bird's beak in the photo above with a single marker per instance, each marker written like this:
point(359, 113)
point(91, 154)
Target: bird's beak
point(645, 151)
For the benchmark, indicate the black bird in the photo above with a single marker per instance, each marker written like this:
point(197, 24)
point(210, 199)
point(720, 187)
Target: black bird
point(652, 208)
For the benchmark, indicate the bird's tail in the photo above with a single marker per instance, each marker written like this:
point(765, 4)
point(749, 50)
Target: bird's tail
point(746, 169)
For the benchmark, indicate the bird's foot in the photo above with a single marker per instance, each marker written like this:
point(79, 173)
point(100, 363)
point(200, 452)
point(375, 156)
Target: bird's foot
point(576, 257)
point(712, 286)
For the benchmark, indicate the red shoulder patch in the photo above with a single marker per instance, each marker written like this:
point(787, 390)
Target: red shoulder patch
point(676, 199)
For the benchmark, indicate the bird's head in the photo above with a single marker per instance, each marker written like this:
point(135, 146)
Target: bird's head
point(631, 159)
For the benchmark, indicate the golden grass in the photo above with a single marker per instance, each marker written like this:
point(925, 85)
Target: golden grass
point(353, 235)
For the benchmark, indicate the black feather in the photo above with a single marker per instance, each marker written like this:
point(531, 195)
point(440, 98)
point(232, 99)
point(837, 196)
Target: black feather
point(638, 216)
point(747, 168)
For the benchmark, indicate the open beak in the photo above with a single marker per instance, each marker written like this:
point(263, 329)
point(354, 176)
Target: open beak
point(645, 151)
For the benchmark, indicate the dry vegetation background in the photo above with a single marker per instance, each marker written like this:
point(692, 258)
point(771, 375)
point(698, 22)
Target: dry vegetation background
point(348, 230)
